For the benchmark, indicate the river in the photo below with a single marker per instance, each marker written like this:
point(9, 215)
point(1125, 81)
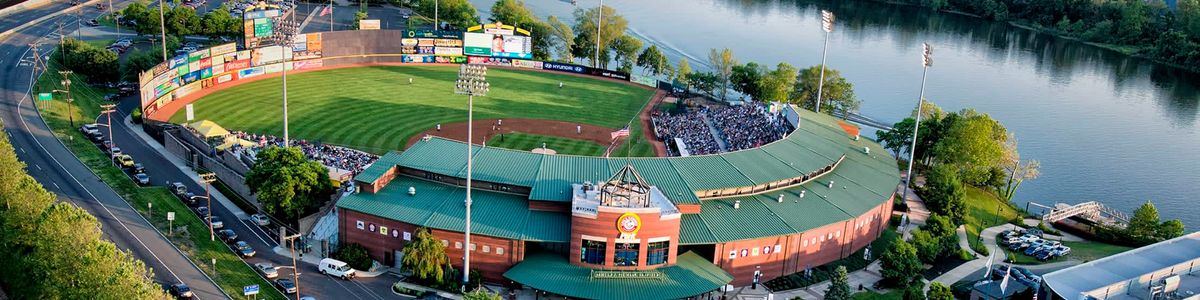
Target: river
point(1105, 126)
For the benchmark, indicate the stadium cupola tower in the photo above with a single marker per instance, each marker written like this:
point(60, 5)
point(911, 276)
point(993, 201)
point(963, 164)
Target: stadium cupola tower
point(623, 223)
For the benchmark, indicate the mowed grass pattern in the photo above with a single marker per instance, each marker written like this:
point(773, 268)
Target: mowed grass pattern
point(375, 108)
point(526, 142)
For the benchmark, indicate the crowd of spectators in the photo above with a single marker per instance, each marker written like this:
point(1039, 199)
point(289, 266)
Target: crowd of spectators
point(328, 155)
point(737, 128)
point(747, 126)
point(689, 127)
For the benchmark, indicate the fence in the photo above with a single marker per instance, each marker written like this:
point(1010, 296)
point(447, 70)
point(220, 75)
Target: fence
point(180, 143)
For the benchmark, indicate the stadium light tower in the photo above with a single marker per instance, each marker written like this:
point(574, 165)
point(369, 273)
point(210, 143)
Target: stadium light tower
point(472, 81)
point(283, 37)
point(926, 62)
point(827, 25)
point(162, 25)
point(599, 18)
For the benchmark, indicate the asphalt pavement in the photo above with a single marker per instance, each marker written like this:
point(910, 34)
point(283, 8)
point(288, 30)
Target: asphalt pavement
point(55, 167)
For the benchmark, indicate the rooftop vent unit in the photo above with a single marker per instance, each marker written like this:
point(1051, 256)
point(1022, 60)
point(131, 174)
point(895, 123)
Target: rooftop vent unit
point(737, 204)
point(830, 184)
point(780, 198)
point(426, 137)
point(802, 194)
point(412, 191)
point(867, 150)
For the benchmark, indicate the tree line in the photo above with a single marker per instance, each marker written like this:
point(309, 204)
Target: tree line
point(55, 250)
point(1147, 28)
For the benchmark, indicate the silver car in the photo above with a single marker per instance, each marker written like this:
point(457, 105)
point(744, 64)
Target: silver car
point(267, 270)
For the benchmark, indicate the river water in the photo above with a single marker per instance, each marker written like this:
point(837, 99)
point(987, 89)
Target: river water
point(1105, 126)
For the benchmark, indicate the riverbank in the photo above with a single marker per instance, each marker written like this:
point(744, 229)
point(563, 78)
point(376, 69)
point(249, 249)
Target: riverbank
point(1128, 50)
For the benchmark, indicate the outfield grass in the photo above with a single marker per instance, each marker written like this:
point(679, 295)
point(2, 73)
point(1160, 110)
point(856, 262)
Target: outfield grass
point(190, 233)
point(375, 109)
point(526, 142)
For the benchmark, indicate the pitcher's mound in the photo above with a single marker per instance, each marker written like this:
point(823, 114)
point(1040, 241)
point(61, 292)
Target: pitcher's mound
point(543, 151)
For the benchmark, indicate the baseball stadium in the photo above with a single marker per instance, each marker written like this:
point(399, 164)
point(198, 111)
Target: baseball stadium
point(578, 187)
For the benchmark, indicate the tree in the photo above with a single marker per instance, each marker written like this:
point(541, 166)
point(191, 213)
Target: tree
point(481, 294)
point(1170, 229)
point(355, 255)
point(777, 84)
point(626, 49)
point(943, 193)
point(723, 62)
point(837, 94)
point(219, 23)
point(939, 225)
point(181, 20)
point(562, 38)
point(899, 138)
point(928, 247)
point(97, 65)
point(287, 183)
point(612, 27)
point(975, 143)
point(705, 81)
point(683, 72)
point(1143, 224)
point(914, 291)
point(653, 61)
point(899, 264)
point(939, 291)
point(839, 285)
point(747, 79)
point(425, 256)
point(458, 14)
point(1018, 171)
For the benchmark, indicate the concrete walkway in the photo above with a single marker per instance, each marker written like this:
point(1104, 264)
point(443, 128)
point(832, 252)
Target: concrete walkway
point(866, 278)
point(1063, 237)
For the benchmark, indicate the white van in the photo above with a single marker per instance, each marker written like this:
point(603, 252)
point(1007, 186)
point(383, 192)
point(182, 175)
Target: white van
point(336, 268)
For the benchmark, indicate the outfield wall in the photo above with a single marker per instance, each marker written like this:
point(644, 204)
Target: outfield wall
point(168, 87)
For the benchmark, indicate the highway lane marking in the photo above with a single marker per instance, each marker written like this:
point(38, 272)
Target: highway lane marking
point(20, 104)
point(56, 185)
point(248, 225)
point(38, 166)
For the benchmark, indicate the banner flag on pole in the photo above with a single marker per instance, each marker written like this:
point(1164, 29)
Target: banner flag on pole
point(927, 55)
point(827, 20)
point(991, 257)
point(325, 11)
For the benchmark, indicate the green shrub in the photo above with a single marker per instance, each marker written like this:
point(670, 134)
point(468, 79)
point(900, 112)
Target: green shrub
point(355, 255)
point(136, 115)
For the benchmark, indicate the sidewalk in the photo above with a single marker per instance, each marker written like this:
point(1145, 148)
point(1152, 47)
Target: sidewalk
point(315, 260)
point(179, 163)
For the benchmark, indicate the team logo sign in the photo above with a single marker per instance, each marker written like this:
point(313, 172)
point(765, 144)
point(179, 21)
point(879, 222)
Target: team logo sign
point(629, 224)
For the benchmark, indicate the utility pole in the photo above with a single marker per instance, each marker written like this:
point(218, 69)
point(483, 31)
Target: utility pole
point(107, 111)
point(162, 25)
point(291, 239)
point(66, 82)
point(208, 178)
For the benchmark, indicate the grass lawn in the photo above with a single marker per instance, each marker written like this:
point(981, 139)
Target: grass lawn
point(854, 262)
point(525, 142)
point(1081, 251)
point(375, 109)
point(190, 234)
point(984, 209)
point(872, 295)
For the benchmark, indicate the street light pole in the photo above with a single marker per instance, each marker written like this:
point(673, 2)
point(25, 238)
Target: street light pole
point(926, 62)
point(208, 178)
point(472, 81)
point(827, 25)
point(436, 25)
point(66, 82)
point(108, 110)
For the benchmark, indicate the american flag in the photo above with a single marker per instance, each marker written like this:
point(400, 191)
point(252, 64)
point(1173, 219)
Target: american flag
point(927, 55)
point(327, 10)
point(620, 133)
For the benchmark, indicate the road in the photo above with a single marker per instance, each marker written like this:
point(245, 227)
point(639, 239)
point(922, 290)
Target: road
point(55, 167)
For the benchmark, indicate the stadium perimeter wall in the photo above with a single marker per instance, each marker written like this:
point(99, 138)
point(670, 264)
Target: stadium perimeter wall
point(341, 49)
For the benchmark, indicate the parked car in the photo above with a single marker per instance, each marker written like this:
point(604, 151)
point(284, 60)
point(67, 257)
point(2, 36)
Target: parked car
point(181, 291)
point(138, 168)
point(227, 235)
point(124, 160)
point(178, 189)
point(1018, 246)
point(115, 151)
point(1063, 250)
point(142, 178)
point(260, 219)
point(244, 249)
point(93, 23)
point(336, 268)
point(1045, 255)
point(202, 211)
point(90, 129)
point(215, 221)
point(286, 285)
point(267, 270)
point(193, 200)
point(1034, 249)
point(97, 137)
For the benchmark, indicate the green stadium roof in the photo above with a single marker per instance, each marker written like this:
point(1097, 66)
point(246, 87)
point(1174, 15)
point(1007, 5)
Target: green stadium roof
point(691, 275)
point(861, 182)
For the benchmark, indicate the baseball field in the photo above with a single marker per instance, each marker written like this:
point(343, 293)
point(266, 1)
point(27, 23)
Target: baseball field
point(561, 145)
point(376, 109)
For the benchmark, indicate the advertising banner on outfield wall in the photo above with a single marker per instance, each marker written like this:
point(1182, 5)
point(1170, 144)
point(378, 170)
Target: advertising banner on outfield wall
point(179, 61)
point(569, 68)
point(187, 89)
point(452, 51)
point(237, 65)
point(433, 59)
point(493, 61)
point(610, 74)
point(644, 80)
point(307, 46)
point(269, 55)
point(205, 63)
point(223, 78)
point(218, 69)
point(528, 64)
point(307, 64)
point(223, 49)
point(182, 69)
point(251, 72)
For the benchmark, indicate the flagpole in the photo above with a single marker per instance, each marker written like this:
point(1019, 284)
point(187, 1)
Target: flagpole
point(926, 61)
point(827, 25)
point(330, 15)
point(599, 19)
